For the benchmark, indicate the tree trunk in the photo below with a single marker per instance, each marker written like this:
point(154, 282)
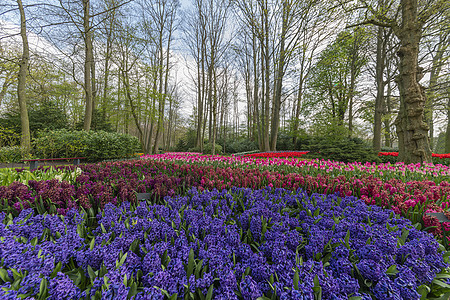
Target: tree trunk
point(256, 91)
point(434, 74)
point(275, 122)
point(412, 131)
point(89, 57)
point(447, 133)
point(126, 84)
point(200, 86)
point(379, 69)
point(214, 114)
point(266, 60)
point(25, 141)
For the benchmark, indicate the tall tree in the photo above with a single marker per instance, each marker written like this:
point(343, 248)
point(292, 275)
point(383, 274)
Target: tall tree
point(88, 64)
point(162, 14)
point(407, 20)
point(333, 81)
point(25, 141)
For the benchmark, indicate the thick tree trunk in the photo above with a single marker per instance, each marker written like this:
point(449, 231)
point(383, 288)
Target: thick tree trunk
point(412, 131)
point(89, 57)
point(379, 69)
point(25, 141)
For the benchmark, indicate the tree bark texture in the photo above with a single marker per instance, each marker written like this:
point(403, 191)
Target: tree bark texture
point(379, 69)
point(412, 131)
point(25, 141)
point(89, 57)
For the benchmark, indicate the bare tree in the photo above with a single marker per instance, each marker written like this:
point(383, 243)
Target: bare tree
point(25, 141)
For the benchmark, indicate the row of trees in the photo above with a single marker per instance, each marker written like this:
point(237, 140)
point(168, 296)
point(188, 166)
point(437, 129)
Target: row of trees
point(256, 67)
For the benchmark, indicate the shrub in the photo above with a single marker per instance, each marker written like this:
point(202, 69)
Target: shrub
point(8, 137)
point(94, 145)
point(240, 145)
point(11, 154)
point(344, 149)
point(207, 149)
point(45, 116)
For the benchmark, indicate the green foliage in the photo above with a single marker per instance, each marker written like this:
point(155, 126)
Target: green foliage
point(46, 116)
point(10, 154)
point(8, 175)
point(107, 145)
point(440, 143)
point(285, 141)
point(8, 137)
point(238, 145)
point(187, 141)
point(342, 149)
point(94, 145)
point(99, 122)
point(330, 84)
point(207, 149)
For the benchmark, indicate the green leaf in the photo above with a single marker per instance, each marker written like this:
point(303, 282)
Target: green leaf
point(440, 283)
point(103, 228)
point(296, 279)
point(133, 291)
point(43, 289)
point(91, 273)
point(122, 260)
point(56, 270)
point(210, 292)
point(92, 244)
point(423, 290)
point(4, 276)
point(190, 266)
point(392, 270)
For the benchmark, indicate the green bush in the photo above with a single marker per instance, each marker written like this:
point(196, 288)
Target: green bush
point(342, 149)
point(12, 154)
point(8, 137)
point(46, 116)
point(94, 145)
point(207, 149)
point(239, 145)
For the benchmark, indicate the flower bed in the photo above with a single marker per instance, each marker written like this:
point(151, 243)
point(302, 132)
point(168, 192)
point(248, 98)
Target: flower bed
point(441, 156)
point(277, 154)
point(386, 171)
point(115, 182)
point(237, 244)
point(437, 158)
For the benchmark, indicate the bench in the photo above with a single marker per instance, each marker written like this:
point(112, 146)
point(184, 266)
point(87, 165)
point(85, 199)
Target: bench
point(35, 162)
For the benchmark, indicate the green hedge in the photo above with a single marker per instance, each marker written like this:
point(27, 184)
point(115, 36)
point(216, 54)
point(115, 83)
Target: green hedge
point(207, 149)
point(12, 154)
point(345, 149)
point(94, 145)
